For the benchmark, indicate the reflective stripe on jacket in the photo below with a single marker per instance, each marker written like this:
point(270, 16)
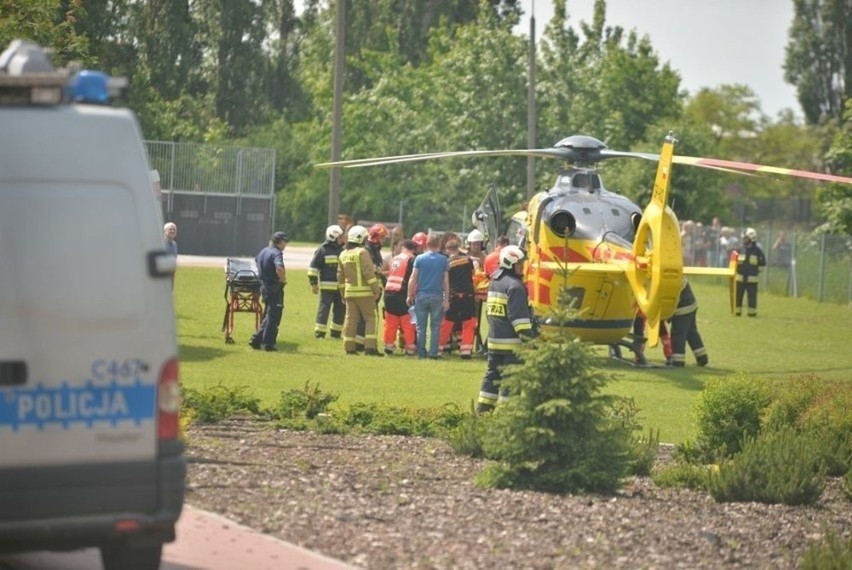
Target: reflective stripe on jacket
point(686, 303)
point(323, 268)
point(508, 311)
point(749, 262)
point(399, 270)
point(356, 274)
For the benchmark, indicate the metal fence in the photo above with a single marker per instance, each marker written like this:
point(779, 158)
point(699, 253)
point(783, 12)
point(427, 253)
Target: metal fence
point(221, 198)
point(798, 264)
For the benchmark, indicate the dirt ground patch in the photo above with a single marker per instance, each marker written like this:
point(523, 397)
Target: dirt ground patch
point(407, 502)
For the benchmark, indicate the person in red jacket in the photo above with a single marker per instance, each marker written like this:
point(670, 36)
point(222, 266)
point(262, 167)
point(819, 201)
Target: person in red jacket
point(492, 260)
point(397, 315)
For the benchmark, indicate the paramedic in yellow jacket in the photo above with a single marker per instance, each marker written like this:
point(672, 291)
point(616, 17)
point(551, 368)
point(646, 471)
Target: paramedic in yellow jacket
point(356, 277)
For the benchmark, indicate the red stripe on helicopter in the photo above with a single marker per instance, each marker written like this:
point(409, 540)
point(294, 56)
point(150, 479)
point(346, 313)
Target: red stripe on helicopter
point(563, 254)
point(748, 167)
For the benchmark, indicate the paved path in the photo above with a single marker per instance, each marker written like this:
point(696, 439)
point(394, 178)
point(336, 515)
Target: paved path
point(205, 541)
point(294, 258)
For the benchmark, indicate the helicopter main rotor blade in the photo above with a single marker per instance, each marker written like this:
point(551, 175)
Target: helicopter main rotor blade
point(361, 162)
point(748, 167)
point(558, 153)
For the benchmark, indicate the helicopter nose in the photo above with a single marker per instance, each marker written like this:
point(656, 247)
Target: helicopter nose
point(563, 223)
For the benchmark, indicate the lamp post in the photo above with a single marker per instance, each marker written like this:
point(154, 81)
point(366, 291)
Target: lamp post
point(337, 111)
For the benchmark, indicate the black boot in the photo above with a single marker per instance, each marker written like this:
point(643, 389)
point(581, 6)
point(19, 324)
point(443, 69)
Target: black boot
point(372, 352)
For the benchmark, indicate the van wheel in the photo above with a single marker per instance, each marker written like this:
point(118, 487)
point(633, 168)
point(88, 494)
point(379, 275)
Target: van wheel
point(124, 556)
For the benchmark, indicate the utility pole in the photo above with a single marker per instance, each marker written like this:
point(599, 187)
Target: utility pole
point(337, 111)
point(531, 116)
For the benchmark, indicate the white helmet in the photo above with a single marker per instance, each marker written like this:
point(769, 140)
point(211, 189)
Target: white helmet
point(333, 232)
point(510, 255)
point(750, 234)
point(357, 234)
point(475, 235)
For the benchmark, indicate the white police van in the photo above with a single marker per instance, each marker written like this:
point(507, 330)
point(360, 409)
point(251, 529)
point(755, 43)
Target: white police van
point(90, 453)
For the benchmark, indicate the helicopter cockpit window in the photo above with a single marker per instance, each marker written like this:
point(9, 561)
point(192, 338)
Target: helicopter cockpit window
point(517, 233)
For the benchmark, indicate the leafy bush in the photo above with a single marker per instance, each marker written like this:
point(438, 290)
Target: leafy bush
point(777, 466)
point(682, 474)
point(306, 402)
point(220, 403)
point(820, 408)
point(832, 554)
point(557, 433)
point(728, 411)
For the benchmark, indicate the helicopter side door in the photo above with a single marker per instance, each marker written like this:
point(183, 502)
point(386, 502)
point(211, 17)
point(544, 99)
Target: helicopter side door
point(486, 218)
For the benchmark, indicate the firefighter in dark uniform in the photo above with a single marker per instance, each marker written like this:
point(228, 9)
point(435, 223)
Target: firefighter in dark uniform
point(750, 259)
point(462, 311)
point(684, 329)
point(375, 236)
point(356, 276)
point(509, 321)
point(322, 275)
point(270, 265)
point(397, 315)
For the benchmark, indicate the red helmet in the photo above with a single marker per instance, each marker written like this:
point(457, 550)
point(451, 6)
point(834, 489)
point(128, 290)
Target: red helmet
point(420, 239)
point(378, 233)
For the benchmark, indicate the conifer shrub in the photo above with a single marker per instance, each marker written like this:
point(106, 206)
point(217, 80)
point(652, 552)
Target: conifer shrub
point(682, 474)
point(557, 432)
point(466, 437)
point(833, 553)
point(384, 419)
point(219, 403)
point(778, 466)
point(728, 411)
point(303, 403)
point(819, 408)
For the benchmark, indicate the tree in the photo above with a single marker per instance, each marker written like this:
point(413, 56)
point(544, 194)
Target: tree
point(819, 57)
point(49, 23)
point(605, 84)
point(836, 200)
point(171, 50)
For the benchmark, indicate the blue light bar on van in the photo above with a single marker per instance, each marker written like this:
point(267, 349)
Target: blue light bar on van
point(94, 87)
point(89, 87)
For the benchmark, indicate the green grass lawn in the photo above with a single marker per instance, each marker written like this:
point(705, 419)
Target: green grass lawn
point(791, 337)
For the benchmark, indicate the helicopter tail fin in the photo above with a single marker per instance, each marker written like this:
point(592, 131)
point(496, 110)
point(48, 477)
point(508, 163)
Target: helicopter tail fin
point(662, 183)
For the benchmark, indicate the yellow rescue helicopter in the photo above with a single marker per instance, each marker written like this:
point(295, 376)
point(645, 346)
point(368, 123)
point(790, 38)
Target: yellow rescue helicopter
point(610, 256)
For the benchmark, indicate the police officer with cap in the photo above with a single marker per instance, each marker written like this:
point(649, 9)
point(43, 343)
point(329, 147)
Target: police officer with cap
point(270, 266)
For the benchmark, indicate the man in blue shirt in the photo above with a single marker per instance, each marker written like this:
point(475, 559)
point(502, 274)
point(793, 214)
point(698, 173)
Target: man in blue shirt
point(428, 291)
point(270, 266)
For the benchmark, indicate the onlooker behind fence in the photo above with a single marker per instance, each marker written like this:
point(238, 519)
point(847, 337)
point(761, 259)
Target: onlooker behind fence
point(728, 244)
point(782, 251)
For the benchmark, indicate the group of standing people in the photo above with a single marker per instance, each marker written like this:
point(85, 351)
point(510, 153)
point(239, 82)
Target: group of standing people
point(411, 287)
